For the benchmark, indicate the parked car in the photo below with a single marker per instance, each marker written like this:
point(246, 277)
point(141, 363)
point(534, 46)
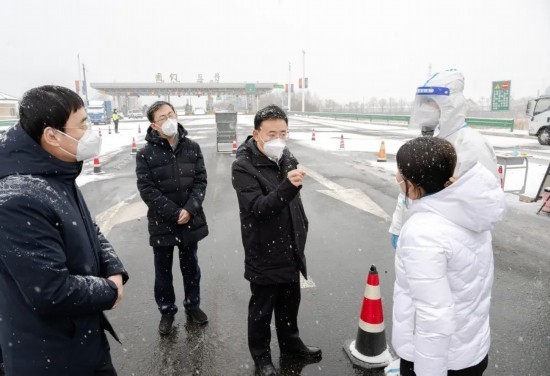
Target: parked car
point(135, 114)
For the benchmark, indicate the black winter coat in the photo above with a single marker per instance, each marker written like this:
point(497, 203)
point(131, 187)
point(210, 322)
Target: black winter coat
point(53, 265)
point(169, 181)
point(273, 222)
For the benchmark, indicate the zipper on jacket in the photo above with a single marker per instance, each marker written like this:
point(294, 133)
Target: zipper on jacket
point(87, 226)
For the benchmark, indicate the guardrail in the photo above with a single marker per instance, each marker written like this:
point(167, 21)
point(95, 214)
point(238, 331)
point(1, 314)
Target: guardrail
point(473, 122)
point(491, 123)
point(357, 116)
point(5, 124)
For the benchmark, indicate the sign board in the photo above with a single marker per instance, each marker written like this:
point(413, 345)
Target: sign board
point(278, 86)
point(500, 96)
point(544, 183)
point(226, 130)
point(250, 88)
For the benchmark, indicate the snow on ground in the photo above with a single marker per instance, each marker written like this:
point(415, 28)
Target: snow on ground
point(112, 144)
point(328, 139)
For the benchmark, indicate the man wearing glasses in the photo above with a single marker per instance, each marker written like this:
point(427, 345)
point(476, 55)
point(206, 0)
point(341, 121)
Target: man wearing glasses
point(171, 178)
point(274, 228)
point(58, 273)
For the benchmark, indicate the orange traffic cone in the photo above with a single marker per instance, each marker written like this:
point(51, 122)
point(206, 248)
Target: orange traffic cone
point(341, 141)
point(97, 166)
point(313, 135)
point(234, 149)
point(370, 350)
point(500, 175)
point(139, 127)
point(109, 129)
point(100, 132)
point(134, 147)
point(382, 153)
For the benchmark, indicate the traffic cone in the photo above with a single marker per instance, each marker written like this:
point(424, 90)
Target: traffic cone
point(500, 175)
point(100, 132)
point(341, 141)
point(370, 350)
point(313, 135)
point(382, 153)
point(234, 149)
point(97, 166)
point(139, 127)
point(109, 129)
point(134, 147)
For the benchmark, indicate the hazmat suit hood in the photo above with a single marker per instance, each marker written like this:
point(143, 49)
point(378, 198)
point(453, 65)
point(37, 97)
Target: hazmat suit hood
point(445, 89)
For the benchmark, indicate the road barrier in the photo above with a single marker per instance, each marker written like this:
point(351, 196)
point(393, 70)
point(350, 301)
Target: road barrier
point(404, 119)
point(5, 124)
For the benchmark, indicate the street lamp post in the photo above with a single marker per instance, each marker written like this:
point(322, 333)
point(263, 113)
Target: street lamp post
point(289, 86)
point(303, 80)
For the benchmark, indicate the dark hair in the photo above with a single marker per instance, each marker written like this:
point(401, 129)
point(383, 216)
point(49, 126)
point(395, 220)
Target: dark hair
point(268, 113)
point(428, 162)
point(47, 106)
point(154, 108)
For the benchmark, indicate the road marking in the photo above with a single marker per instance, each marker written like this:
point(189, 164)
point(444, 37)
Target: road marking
point(354, 197)
point(306, 283)
point(119, 213)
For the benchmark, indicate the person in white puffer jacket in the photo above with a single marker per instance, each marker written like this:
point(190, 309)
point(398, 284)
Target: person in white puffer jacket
point(440, 107)
point(444, 262)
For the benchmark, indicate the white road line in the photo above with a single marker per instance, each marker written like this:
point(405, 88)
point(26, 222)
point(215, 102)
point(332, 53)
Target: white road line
point(306, 283)
point(119, 213)
point(353, 197)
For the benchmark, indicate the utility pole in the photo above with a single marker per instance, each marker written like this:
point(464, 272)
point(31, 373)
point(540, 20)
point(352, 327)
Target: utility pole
point(79, 76)
point(303, 80)
point(84, 88)
point(289, 86)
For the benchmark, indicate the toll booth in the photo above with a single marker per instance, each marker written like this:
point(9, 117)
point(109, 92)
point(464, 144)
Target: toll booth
point(226, 131)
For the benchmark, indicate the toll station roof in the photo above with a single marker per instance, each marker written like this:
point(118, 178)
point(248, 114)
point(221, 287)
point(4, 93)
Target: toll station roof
point(183, 88)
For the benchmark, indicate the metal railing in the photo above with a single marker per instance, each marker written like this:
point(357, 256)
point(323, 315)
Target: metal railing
point(404, 119)
point(6, 123)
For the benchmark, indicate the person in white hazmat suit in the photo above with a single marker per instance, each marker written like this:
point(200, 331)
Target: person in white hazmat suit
point(440, 106)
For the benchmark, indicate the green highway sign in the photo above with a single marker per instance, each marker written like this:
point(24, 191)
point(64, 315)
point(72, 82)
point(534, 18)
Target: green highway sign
point(500, 97)
point(278, 86)
point(250, 88)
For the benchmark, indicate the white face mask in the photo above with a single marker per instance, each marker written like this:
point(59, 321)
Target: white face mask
point(170, 127)
point(87, 147)
point(274, 148)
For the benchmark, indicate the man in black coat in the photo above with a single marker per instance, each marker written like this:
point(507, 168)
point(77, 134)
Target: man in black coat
point(171, 178)
point(274, 228)
point(58, 273)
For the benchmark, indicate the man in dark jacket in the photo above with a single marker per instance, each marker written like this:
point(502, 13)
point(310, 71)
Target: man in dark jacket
point(274, 230)
point(58, 273)
point(171, 179)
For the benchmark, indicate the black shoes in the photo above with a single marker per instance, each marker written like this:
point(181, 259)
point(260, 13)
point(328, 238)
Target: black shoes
point(197, 315)
point(167, 320)
point(165, 325)
point(306, 352)
point(264, 367)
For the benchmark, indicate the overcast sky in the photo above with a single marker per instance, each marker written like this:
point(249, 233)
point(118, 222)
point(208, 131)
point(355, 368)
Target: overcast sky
point(355, 49)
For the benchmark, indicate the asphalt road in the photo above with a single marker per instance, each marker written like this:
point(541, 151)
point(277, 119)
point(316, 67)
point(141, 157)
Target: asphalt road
point(345, 238)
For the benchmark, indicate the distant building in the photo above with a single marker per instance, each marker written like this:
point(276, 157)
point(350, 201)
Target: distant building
point(9, 107)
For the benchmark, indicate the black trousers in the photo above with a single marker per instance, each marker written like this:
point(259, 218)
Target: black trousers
point(407, 369)
point(284, 299)
point(116, 125)
point(164, 287)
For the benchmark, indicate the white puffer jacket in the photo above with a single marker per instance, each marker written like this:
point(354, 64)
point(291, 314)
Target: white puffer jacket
point(444, 274)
